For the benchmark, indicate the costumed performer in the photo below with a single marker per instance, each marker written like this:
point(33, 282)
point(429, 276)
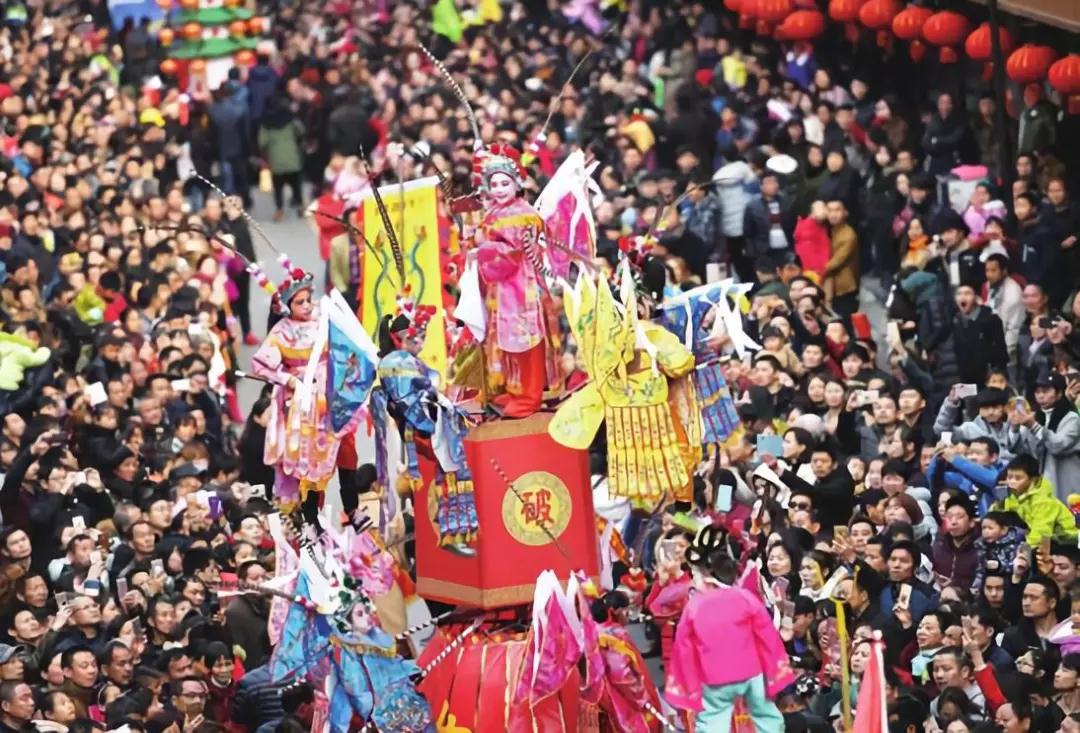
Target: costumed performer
point(427, 420)
point(627, 685)
point(520, 348)
point(638, 386)
point(300, 442)
point(726, 646)
point(696, 317)
point(331, 637)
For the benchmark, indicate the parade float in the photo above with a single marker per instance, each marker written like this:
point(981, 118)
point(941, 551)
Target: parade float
point(203, 39)
point(480, 436)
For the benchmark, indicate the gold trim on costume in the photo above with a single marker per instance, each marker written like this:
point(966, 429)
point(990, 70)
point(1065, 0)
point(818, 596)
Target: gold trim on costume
point(535, 424)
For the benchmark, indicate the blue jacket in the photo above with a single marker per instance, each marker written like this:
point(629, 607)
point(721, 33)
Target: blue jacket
point(262, 84)
point(978, 482)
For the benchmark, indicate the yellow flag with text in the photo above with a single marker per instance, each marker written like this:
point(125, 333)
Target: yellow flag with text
point(412, 208)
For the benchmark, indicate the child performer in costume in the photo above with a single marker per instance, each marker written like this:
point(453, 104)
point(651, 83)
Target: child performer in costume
point(520, 355)
point(725, 647)
point(694, 317)
point(639, 386)
point(300, 443)
point(428, 421)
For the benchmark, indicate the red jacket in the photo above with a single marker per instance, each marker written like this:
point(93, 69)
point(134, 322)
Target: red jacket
point(812, 245)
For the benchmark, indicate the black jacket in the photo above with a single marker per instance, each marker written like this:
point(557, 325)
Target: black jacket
point(834, 495)
point(980, 344)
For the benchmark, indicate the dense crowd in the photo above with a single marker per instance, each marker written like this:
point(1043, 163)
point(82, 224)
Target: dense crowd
point(929, 452)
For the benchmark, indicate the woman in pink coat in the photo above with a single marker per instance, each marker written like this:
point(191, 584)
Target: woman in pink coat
point(726, 648)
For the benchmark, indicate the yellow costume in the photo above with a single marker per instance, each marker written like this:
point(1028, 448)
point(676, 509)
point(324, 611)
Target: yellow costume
point(639, 383)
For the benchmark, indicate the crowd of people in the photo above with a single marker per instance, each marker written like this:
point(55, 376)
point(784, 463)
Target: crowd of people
point(916, 467)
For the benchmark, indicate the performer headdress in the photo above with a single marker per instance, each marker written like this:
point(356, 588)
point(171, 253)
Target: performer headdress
point(410, 319)
point(497, 158)
point(295, 281)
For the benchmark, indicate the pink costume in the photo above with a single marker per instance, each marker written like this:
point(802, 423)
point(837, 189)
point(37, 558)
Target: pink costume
point(300, 444)
point(509, 255)
point(666, 602)
point(627, 685)
point(725, 638)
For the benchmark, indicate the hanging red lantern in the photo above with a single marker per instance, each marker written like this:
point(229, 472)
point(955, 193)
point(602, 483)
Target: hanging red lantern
point(877, 15)
point(774, 11)
point(255, 26)
point(908, 23)
point(917, 50)
point(165, 5)
point(846, 12)
point(771, 13)
point(1064, 77)
point(232, 3)
point(802, 25)
point(237, 28)
point(197, 66)
point(168, 67)
point(747, 13)
point(978, 45)
point(166, 36)
point(1029, 63)
point(190, 5)
point(946, 30)
point(733, 5)
point(192, 31)
point(245, 57)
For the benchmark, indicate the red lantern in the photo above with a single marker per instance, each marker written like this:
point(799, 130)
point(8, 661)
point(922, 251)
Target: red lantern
point(237, 28)
point(846, 12)
point(166, 36)
point(1029, 63)
point(197, 66)
point(245, 57)
point(255, 26)
point(191, 5)
point(192, 31)
point(168, 67)
point(908, 23)
point(165, 5)
point(917, 50)
point(1064, 76)
point(770, 13)
point(232, 3)
point(946, 29)
point(802, 25)
point(978, 45)
point(877, 15)
point(773, 11)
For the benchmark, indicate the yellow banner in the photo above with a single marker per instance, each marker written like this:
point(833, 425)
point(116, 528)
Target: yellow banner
point(413, 212)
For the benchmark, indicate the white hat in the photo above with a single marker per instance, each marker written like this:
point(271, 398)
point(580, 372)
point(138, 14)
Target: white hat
point(783, 165)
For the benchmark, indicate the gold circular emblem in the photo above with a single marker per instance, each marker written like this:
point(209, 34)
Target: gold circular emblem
point(541, 501)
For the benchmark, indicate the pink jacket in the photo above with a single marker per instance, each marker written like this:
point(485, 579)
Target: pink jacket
point(725, 636)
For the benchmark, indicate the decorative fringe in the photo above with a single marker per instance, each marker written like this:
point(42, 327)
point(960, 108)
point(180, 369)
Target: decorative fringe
point(645, 460)
point(588, 719)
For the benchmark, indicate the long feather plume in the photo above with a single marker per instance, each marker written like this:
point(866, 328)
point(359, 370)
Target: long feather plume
point(391, 236)
point(458, 91)
point(558, 98)
point(247, 217)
